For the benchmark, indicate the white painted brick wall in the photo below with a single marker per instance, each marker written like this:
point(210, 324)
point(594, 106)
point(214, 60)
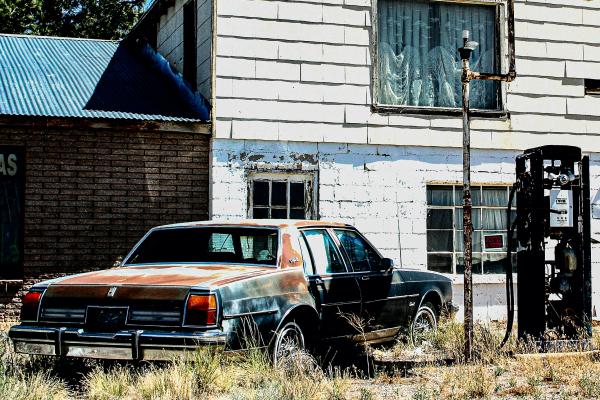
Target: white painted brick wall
point(379, 189)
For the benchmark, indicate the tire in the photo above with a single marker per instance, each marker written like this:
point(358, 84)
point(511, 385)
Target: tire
point(289, 341)
point(424, 323)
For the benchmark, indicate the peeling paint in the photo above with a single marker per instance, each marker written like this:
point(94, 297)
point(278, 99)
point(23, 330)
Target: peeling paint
point(303, 157)
point(255, 157)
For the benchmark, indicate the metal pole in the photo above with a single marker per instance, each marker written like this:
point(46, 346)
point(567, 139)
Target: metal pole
point(467, 223)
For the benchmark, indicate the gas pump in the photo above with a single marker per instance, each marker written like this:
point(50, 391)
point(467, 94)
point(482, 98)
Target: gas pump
point(552, 247)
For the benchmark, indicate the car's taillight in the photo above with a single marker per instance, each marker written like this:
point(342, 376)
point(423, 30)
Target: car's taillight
point(201, 310)
point(30, 306)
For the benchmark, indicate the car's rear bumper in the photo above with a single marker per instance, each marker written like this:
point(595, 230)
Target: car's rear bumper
point(122, 345)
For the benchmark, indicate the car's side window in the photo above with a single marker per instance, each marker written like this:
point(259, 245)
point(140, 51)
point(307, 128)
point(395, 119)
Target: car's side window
point(325, 255)
point(362, 256)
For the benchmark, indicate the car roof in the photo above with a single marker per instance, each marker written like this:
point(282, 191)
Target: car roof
point(267, 223)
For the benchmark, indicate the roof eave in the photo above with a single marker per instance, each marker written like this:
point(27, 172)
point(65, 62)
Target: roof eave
point(27, 121)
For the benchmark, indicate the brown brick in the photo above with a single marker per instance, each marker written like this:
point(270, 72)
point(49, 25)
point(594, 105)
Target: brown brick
point(91, 194)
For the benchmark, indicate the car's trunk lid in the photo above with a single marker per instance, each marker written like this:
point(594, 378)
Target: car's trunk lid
point(150, 294)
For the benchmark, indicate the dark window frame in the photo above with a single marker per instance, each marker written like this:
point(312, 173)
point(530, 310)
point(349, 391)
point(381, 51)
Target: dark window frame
point(500, 113)
point(310, 193)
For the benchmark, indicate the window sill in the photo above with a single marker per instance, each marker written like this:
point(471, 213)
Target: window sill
point(454, 112)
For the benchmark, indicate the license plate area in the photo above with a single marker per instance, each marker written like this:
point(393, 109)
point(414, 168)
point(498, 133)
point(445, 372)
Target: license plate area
point(105, 319)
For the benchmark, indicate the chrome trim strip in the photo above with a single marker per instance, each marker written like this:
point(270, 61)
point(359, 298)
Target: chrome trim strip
point(341, 303)
point(250, 313)
point(393, 298)
point(378, 334)
point(122, 334)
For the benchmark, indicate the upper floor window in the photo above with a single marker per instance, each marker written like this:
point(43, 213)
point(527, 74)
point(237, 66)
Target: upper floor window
point(281, 196)
point(418, 61)
point(445, 228)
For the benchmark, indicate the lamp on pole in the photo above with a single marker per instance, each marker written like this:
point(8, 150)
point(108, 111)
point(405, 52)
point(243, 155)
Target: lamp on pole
point(465, 55)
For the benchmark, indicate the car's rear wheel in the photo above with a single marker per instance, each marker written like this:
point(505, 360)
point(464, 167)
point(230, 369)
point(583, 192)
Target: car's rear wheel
point(290, 342)
point(424, 324)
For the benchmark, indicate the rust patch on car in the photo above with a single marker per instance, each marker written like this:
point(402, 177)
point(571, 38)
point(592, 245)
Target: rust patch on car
point(290, 257)
point(160, 275)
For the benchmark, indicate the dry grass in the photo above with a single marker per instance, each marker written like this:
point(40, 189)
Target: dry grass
point(210, 374)
point(19, 383)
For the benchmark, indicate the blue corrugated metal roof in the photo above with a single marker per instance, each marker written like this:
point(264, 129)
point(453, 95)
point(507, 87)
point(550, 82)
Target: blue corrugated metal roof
point(66, 77)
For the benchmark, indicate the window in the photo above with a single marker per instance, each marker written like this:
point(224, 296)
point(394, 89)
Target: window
point(325, 256)
point(12, 189)
point(281, 196)
point(445, 228)
point(362, 256)
point(418, 61)
point(189, 43)
point(592, 86)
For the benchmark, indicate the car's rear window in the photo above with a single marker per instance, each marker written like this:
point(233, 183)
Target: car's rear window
point(208, 244)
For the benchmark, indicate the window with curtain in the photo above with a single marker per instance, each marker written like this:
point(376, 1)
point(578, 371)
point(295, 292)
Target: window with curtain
point(445, 228)
point(418, 59)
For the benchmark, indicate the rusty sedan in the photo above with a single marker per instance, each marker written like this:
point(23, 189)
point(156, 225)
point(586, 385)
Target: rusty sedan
point(285, 284)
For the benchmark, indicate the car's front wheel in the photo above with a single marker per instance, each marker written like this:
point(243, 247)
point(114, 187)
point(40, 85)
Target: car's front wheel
point(289, 342)
point(424, 324)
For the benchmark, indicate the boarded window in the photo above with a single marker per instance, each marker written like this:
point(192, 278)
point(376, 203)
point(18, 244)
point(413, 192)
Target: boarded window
point(12, 188)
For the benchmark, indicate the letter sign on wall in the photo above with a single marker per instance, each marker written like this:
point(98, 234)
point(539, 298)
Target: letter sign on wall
point(12, 189)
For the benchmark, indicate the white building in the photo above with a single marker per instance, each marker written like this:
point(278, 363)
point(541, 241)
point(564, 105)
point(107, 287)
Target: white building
point(349, 110)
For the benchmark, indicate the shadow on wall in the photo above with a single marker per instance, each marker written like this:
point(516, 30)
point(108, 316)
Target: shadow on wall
point(138, 80)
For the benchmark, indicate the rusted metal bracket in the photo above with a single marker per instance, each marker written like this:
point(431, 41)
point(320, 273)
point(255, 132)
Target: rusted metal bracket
point(512, 70)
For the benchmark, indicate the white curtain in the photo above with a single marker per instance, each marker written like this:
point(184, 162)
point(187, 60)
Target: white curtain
point(419, 63)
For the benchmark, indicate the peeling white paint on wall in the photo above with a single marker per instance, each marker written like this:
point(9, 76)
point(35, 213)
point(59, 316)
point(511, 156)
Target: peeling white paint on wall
point(382, 191)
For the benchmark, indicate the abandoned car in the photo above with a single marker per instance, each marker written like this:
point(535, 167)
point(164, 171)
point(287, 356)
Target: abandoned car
point(285, 284)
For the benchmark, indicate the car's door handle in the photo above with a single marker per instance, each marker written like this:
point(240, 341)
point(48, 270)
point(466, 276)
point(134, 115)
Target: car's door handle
point(319, 281)
point(365, 278)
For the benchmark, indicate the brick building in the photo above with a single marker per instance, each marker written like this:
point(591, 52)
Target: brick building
point(98, 142)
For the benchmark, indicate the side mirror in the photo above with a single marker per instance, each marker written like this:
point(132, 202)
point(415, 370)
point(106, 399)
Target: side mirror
point(387, 264)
